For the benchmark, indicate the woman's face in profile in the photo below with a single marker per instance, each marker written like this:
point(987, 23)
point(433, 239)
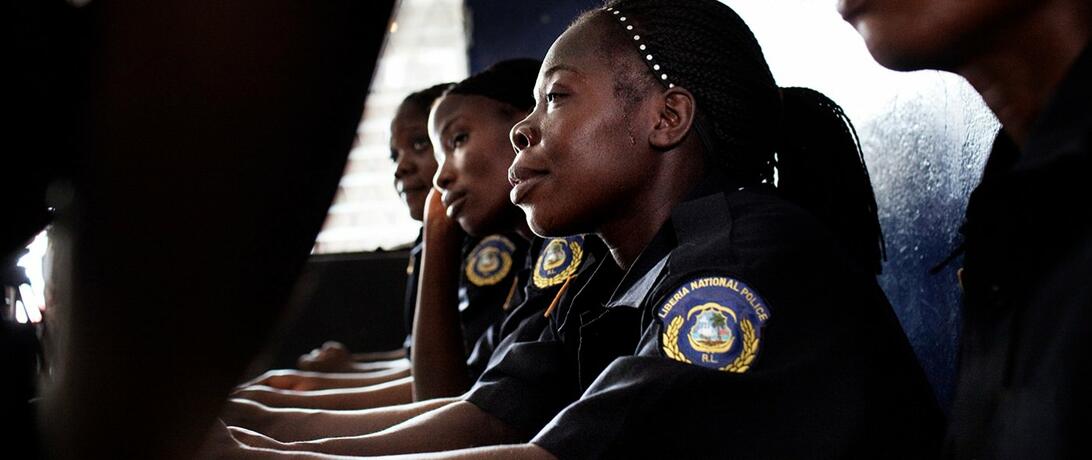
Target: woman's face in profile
point(411, 152)
point(581, 150)
point(470, 135)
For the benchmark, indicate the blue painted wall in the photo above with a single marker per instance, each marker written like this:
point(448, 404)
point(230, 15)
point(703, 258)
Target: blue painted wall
point(505, 29)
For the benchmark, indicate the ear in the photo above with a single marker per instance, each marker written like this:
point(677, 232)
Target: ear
point(676, 116)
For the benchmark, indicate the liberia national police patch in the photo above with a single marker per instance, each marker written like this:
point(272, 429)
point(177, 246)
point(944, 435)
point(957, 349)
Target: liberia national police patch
point(558, 261)
point(715, 322)
point(490, 261)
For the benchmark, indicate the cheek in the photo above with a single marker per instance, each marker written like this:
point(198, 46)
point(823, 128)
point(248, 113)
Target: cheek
point(426, 165)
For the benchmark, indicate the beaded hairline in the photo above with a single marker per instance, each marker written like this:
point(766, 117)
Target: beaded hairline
point(650, 60)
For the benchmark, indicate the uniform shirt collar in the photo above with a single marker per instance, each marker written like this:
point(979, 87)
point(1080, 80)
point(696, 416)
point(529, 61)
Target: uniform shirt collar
point(645, 271)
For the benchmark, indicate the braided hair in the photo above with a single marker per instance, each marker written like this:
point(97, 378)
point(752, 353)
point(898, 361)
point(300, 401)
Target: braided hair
point(747, 125)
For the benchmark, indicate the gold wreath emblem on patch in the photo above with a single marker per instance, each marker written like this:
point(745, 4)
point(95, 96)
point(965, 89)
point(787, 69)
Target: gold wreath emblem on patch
point(739, 365)
point(488, 264)
point(552, 258)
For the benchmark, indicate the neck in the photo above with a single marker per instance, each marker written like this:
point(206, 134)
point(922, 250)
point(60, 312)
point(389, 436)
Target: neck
point(634, 223)
point(1021, 70)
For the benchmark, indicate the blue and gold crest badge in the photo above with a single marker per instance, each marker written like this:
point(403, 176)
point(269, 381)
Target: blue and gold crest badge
point(714, 322)
point(490, 261)
point(558, 261)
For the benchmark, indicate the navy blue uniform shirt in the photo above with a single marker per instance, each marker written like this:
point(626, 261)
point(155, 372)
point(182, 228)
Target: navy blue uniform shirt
point(775, 346)
point(1026, 348)
point(526, 316)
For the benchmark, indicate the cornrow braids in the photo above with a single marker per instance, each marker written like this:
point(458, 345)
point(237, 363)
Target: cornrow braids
point(423, 99)
point(746, 123)
point(821, 168)
point(706, 48)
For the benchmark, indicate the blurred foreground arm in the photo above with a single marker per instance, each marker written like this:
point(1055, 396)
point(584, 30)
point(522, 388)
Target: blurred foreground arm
point(208, 149)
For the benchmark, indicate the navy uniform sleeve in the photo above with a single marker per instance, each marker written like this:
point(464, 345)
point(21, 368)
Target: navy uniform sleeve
point(529, 383)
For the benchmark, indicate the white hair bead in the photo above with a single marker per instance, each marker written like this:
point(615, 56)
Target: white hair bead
point(641, 46)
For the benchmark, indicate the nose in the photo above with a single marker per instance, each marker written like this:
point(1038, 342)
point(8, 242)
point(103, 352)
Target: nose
point(523, 135)
point(403, 166)
point(445, 175)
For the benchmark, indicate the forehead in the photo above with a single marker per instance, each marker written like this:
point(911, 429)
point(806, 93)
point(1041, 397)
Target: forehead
point(409, 116)
point(465, 107)
point(580, 49)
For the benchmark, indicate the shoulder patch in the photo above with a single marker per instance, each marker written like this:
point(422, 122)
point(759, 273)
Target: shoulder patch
point(714, 322)
point(490, 261)
point(558, 260)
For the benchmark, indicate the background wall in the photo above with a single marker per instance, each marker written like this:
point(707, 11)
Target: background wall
point(925, 137)
point(504, 29)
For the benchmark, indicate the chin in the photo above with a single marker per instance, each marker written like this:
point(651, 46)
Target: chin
point(547, 227)
point(470, 226)
point(898, 51)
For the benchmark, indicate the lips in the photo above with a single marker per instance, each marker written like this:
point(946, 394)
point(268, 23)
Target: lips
point(407, 189)
point(453, 202)
point(523, 179)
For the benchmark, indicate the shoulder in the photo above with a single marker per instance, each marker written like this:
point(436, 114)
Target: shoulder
point(756, 228)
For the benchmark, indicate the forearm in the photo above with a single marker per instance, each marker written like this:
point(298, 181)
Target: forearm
point(311, 424)
point(326, 381)
point(459, 425)
point(439, 356)
point(376, 366)
point(385, 394)
point(290, 379)
point(388, 355)
point(505, 452)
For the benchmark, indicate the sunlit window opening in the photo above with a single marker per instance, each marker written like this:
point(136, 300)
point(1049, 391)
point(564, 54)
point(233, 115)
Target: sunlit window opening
point(426, 45)
point(31, 298)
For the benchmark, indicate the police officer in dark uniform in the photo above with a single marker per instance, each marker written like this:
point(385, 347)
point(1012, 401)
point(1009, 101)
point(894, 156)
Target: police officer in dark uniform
point(1025, 345)
point(728, 322)
point(757, 329)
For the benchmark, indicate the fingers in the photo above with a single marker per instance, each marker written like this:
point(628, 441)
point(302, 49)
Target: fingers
point(251, 438)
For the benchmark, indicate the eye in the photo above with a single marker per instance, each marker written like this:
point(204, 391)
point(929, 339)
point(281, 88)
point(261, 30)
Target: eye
point(553, 97)
point(459, 139)
point(420, 144)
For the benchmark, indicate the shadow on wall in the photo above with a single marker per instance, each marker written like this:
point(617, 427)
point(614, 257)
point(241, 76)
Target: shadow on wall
point(925, 137)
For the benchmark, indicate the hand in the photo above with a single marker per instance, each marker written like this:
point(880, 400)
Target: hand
point(284, 379)
point(247, 413)
point(437, 223)
point(332, 357)
point(250, 438)
point(263, 395)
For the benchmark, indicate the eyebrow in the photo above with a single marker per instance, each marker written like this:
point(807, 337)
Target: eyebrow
point(447, 124)
point(552, 70)
point(557, 68)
